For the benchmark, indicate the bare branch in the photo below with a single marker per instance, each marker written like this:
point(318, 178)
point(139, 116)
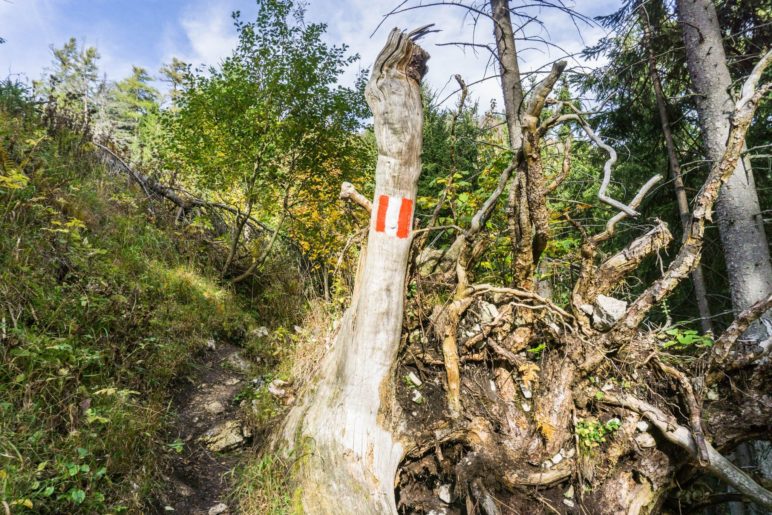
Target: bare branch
point(677, 434)
point(612, 271)
point(614, 220)
point(544, 88)
point(737, 328)
point(607, 167)
point(479, 289)
point(693, 407)
point(349, 192)
point(749, 87)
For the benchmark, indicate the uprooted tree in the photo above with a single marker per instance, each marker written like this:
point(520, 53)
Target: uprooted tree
point(461, 417)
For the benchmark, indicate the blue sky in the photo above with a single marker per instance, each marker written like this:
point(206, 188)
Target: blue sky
point(150, 32)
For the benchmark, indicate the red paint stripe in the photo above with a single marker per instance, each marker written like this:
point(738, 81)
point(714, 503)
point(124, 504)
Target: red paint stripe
point(405, 217)
point(380, 219)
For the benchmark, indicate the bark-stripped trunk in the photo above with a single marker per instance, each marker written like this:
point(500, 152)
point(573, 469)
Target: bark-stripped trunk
point(698, 278)
point(510, 70)
point(345, 424)
point(739, 216)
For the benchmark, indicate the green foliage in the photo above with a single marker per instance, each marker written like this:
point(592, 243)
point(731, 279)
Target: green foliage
point(102, 309)
point(72, 82)
point(264, 486)
point(133, 112)
point(684, 339)
point(270, 129)
point(630, 120)
point(592, 433)
point(175, 73)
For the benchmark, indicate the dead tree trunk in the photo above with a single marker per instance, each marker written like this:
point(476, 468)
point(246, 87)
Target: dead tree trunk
point(510, 70)
point(739, 216)
point(344, 426)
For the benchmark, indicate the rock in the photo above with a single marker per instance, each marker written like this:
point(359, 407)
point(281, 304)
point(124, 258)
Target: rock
point(569, 503)
point(214, 407)
point(184, 490)
point(413, 378)
point(587, 308)
point(261, 332)
point(557, 458)
point(444, 494)
point(232, 381)
point(645, 440)
point(218, 509)
point(275, 388)
point(607, 311)
point(493, 385)
point(488, 312)
point(527, 393)
point(526, 407)
point(224, 437)
point(210, 344)
point(237, 362)
point(547, 464)
point(297, 329)
point(417, 397)
point(642, 426)
point(469, 332)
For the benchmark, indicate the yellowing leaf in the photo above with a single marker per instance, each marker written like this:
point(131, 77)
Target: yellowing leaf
point(529, 373)
point(22, 502)
point(546, 429)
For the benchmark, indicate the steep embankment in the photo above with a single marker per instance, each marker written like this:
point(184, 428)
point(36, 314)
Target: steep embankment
point(107, 308)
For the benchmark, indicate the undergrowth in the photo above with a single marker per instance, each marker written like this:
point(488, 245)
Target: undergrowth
point(103, 302)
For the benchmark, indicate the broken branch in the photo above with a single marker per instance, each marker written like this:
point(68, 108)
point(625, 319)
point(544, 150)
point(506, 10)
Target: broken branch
point(737, 328)
point(677, 434)
point(349, 192)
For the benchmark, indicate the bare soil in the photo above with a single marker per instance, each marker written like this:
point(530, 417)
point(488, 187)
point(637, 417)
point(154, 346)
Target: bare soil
point(198, 478)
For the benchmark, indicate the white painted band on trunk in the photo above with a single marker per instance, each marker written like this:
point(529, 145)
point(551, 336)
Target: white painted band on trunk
point(392, 215)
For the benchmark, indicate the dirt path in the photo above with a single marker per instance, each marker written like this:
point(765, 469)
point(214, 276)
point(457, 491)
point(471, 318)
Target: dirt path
point(208, 433)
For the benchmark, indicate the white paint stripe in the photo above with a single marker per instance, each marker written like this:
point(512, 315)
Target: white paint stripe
point(392, 215)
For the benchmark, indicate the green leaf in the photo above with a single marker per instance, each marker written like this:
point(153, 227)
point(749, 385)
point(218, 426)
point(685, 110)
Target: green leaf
point(77, 496)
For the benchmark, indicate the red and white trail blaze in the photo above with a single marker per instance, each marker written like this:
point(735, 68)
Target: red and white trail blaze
point(394, 216)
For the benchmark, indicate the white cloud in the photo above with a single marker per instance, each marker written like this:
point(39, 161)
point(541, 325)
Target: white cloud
point(209, 31)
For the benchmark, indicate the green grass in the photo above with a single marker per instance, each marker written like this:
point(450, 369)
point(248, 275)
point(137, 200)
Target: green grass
point(102, 306)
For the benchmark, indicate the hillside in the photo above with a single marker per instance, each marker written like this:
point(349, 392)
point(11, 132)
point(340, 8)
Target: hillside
point(110, 310)
point(287, 281)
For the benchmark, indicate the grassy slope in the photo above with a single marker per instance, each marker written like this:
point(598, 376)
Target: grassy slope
point(101, 307)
